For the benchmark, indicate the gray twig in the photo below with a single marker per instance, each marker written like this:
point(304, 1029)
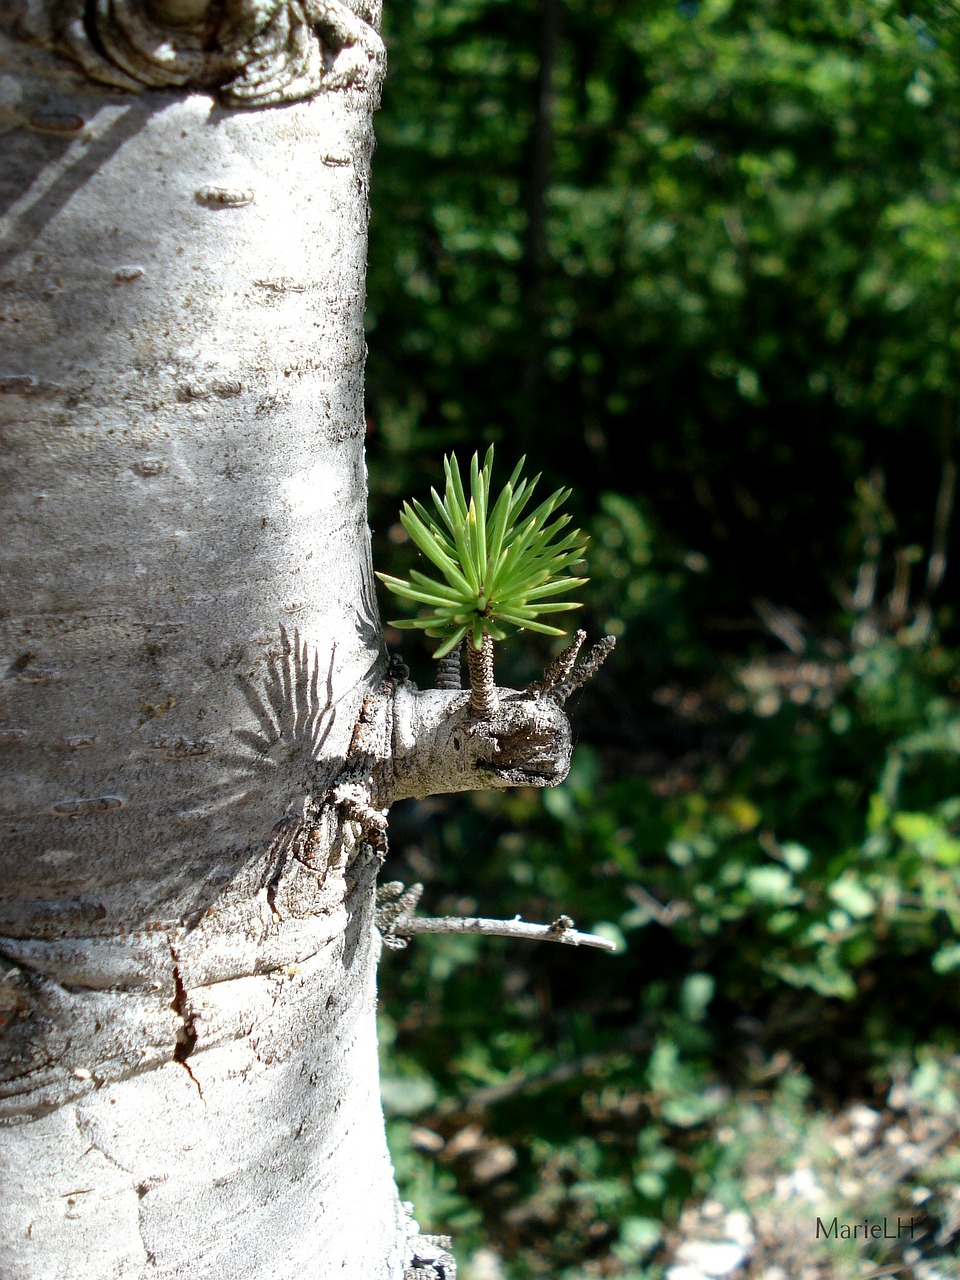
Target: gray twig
point(561, 930)
point(566, 674)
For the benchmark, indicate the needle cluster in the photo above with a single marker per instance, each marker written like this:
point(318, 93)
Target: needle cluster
point(498, 568)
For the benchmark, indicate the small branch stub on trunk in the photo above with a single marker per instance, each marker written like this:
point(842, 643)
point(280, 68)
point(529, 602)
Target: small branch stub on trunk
point(411, 743)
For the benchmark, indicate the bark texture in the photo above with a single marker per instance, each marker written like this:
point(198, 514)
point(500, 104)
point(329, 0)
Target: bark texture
point(188, 1083)
point(198, 741)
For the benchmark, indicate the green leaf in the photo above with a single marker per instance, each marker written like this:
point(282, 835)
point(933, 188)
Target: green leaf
point(455, 498)
point(848, 892)
point(501, 514)
point(531, 626)
point(551, 588)
point(408, 592)
point(433, 550)
point(438, 588)
point(773, 885)
point(451, 643)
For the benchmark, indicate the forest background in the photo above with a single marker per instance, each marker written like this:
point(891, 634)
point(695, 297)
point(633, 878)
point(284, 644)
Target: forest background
point(701, 261)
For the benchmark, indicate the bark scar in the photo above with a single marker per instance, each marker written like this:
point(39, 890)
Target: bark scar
point(255, 54)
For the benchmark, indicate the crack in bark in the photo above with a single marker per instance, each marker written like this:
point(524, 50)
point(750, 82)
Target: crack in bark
point(188, 1035)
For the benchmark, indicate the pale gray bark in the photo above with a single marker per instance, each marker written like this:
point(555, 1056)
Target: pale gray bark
point(197, 745)
point(188, 1083)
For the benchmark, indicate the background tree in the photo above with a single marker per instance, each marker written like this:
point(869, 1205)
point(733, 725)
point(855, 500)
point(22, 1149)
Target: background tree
point(699, 258)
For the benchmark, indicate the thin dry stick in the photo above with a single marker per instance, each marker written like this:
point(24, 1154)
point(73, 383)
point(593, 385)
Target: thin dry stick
point(899, 599)
point(937, 564)
point(586, 669)
point(561, 930)
point(561, 667)
point(865, 591)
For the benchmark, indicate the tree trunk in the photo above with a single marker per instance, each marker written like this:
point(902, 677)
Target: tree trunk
point(188, 1083)
point(200, 736)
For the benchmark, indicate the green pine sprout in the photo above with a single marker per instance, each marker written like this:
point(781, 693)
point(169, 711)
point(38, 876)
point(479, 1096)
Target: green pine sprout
point(499, 568)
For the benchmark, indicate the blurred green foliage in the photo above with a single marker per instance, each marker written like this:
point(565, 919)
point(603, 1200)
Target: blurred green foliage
point(700, 261)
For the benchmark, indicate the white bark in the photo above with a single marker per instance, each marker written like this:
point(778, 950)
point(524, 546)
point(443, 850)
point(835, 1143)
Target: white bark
point(195, 744)
point(188, 1083)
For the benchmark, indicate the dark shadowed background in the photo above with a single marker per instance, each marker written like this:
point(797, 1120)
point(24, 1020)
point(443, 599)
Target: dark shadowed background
point(701, 262)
